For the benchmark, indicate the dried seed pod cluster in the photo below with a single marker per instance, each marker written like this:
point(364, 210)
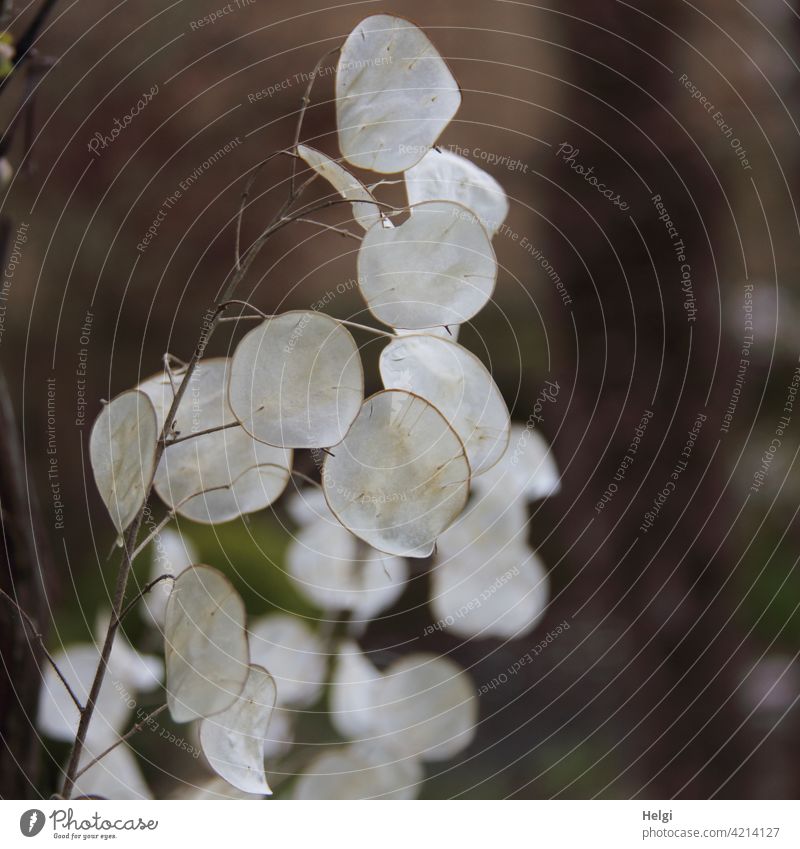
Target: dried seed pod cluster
point(422, 467)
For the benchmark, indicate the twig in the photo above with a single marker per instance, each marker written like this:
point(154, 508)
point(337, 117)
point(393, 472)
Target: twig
point(236, 302)
point(40, 639)
point(387, 333)
point(302, 115)
point(264, 315)
point(243, 203)
point(135, 730)
point(340, 230)
point(197, 433)
point(169, 360)
point(301, 213)
point(143, 592)
point(176, 507)
point(242, 318)
point(129, 541)
point(132, 532)
point(385, 182)
point(154, 533)
point(306, 478)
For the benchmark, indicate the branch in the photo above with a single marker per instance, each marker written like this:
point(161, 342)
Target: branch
point(176, 507)
point(302, 115)
point(154, 533)
point(243, 203)
point(263, 315)
point(129, 541)
point(28, 619)
point(242, 318)
point(387, 333)
point(135, 730)
point(341, 230)
point(300, 213)
point(143, 592)
point(307, 478)
point(131, 534)
point(197, 433)
point(237, 302)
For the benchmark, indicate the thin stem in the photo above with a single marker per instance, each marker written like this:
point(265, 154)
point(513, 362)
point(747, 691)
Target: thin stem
point(40, 639)
point(301, 213)
point(192, 495)
point(132, 532)
point(340, 230)
point(306, 101)
point(243, 203)
point(371, 188)
point(126, 565)
point(143, 592)
point(237, 302)
point(303, 476)
point(154, 533)
point(264, 315)
point(169, 360)
point(388, 334)
point(197, 433)
point(308, 182)
point(242, 318)
point(135, 730)
point(176, 507)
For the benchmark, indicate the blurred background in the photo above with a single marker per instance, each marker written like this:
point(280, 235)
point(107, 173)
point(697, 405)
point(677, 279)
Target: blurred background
point(679, 673)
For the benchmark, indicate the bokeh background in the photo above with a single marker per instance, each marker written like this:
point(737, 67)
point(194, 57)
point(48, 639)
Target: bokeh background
point(679, 674)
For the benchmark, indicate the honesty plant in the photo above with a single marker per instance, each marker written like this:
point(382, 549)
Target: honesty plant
point(423, 467)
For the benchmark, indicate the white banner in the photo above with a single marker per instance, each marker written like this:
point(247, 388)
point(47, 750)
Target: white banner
point(404, 825)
